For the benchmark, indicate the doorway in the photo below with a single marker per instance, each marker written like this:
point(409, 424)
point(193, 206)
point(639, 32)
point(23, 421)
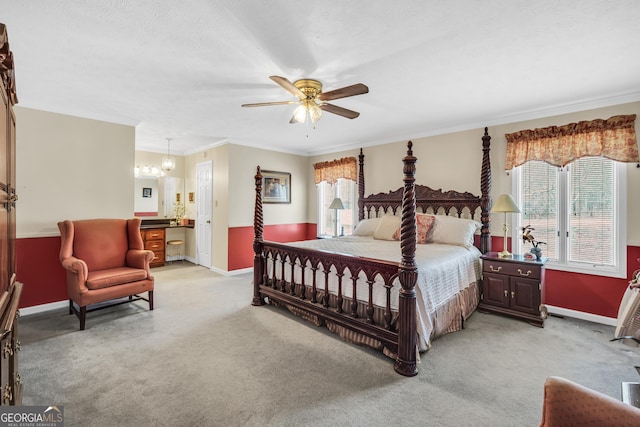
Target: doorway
point(204, 196)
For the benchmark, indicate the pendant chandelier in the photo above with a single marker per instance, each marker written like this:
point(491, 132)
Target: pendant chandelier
point(168, 162)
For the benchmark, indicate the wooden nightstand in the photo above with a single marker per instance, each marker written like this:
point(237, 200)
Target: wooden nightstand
point(513, 286)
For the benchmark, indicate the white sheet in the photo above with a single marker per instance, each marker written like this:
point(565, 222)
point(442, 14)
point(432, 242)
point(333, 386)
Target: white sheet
point(443, 271)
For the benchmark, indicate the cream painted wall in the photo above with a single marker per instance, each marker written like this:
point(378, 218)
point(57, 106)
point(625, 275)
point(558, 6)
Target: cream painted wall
point(70, 168)
point(242, 169)
point(453, 161)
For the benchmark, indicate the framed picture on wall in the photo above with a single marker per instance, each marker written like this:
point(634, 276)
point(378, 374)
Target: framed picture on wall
point(146, 192)
point(276, 187)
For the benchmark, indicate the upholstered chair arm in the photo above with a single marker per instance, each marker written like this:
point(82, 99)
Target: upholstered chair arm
point(139, 258)
point(76, 269)
point(567, 403)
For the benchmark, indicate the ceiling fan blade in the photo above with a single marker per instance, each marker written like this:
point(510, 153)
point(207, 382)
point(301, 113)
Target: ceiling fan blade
point(357, 89)
point(349, 114)
point(288, 86)
point(265, 104)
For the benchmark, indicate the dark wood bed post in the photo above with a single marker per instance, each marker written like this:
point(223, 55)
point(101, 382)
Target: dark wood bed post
point(485, 199)
point(407, 272)
point(258, 227)
point(361, 186)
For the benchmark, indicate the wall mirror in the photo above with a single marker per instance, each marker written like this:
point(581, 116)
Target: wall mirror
point(173, 193)
point(146, 197)
point(156, 197)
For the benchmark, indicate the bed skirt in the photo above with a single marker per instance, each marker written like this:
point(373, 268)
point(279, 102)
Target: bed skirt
point(448, 317)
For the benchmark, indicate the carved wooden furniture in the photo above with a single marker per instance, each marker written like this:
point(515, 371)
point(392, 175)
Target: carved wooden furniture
point(153, 239)
point(394, 332)
point(514, 286)
point(105, 261)
point(10, 385)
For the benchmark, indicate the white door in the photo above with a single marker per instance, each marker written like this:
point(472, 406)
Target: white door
point(204, 196)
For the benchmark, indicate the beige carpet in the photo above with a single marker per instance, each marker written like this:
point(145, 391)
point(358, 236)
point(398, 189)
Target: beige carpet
point(206, 357)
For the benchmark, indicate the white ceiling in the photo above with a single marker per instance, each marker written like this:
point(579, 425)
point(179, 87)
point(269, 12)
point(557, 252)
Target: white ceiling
point(181, 70)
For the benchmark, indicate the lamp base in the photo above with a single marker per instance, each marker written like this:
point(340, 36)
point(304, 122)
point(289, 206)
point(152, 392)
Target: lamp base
point(505, 254)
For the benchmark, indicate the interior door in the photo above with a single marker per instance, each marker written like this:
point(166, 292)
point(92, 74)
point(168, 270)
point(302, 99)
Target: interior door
point(204, 208)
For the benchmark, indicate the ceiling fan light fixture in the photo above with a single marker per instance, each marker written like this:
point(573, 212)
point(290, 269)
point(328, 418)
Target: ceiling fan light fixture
point(300, 114)
point(314, 112)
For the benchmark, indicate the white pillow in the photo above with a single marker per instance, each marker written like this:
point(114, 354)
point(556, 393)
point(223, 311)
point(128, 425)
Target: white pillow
point(366, 227)
point(387, 226)
point(452, 230)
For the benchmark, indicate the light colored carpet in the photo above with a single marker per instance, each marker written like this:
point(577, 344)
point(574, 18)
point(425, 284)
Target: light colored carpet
point(206, 357)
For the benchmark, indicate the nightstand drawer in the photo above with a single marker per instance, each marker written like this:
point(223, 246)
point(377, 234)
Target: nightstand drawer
point(511, 269)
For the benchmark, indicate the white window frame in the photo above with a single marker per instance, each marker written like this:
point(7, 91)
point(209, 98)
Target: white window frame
point(619, 269)
point(322, 212)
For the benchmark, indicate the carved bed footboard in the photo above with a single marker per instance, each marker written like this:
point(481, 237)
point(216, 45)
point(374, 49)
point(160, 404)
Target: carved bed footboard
point(300, 279)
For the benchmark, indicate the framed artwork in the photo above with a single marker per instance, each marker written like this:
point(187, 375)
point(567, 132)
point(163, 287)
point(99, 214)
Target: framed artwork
point(146, 192)
point(276, 187)
point(191, 197)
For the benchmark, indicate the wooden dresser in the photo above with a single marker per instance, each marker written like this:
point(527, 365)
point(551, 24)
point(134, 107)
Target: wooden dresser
point(513, 286)
point(154, 240)
point(10, 384)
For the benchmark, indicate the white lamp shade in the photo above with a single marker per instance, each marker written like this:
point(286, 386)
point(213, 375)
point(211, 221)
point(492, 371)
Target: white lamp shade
point(505, 203)
point(336, 204)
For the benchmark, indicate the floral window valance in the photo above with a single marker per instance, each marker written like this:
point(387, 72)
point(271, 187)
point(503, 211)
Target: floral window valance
point(614, 138)
point(331, 171)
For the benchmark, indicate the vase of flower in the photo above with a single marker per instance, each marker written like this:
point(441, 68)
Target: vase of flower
point(536, 250)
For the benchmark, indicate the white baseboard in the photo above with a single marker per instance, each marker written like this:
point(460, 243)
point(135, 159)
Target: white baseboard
point(44, 307)
point(611, 321)
point(233, 272)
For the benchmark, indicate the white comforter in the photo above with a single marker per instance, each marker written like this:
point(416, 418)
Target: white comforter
point(443, 271)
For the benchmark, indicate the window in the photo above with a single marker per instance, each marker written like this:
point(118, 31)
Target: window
point(345, 222)
point(579, 211)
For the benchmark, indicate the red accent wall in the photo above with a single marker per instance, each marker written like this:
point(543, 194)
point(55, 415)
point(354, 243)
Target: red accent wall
point(241, 240)
point(38, 268)
point(45, 281)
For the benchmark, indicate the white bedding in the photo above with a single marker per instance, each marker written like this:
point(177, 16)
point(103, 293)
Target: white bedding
point(443, 271)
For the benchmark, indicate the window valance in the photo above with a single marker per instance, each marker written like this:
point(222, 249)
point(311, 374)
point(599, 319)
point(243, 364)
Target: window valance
point(331, 171)
point(614, 138)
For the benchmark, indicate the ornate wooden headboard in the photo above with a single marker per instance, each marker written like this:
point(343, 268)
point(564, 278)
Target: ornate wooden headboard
point(427, 200)
point(436, 201)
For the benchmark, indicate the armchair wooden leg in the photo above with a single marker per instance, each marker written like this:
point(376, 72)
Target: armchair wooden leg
point(83, 317)
point(150, 300)
point(70, 307)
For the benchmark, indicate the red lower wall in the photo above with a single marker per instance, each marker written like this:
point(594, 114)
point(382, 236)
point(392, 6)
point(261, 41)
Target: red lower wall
point(45, 282)
point(241, 240)
point(38, 268)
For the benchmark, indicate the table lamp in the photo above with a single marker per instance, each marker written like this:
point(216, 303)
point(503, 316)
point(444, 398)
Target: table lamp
point(337, 205)
point(506, 204)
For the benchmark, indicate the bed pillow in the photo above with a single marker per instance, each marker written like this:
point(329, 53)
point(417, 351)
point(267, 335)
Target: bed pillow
point(387, 227)
point(424, 224)
point(452, 230)
point(366, 227)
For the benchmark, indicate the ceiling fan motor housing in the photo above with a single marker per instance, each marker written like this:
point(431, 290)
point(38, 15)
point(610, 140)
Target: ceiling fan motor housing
point(311, 88)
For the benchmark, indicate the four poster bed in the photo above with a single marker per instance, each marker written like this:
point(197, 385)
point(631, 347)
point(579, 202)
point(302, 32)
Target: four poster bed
point(388, 296)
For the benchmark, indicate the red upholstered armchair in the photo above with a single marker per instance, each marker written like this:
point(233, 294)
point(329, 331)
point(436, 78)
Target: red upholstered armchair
point(105, 261)
point(569, 404)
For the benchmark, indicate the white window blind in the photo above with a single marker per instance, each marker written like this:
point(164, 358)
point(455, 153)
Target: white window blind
point(579, 211)
point(539, 206)
point(345, 189)
point(591, 211)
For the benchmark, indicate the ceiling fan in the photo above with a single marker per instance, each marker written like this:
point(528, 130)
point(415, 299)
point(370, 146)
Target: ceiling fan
point(312, 101)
